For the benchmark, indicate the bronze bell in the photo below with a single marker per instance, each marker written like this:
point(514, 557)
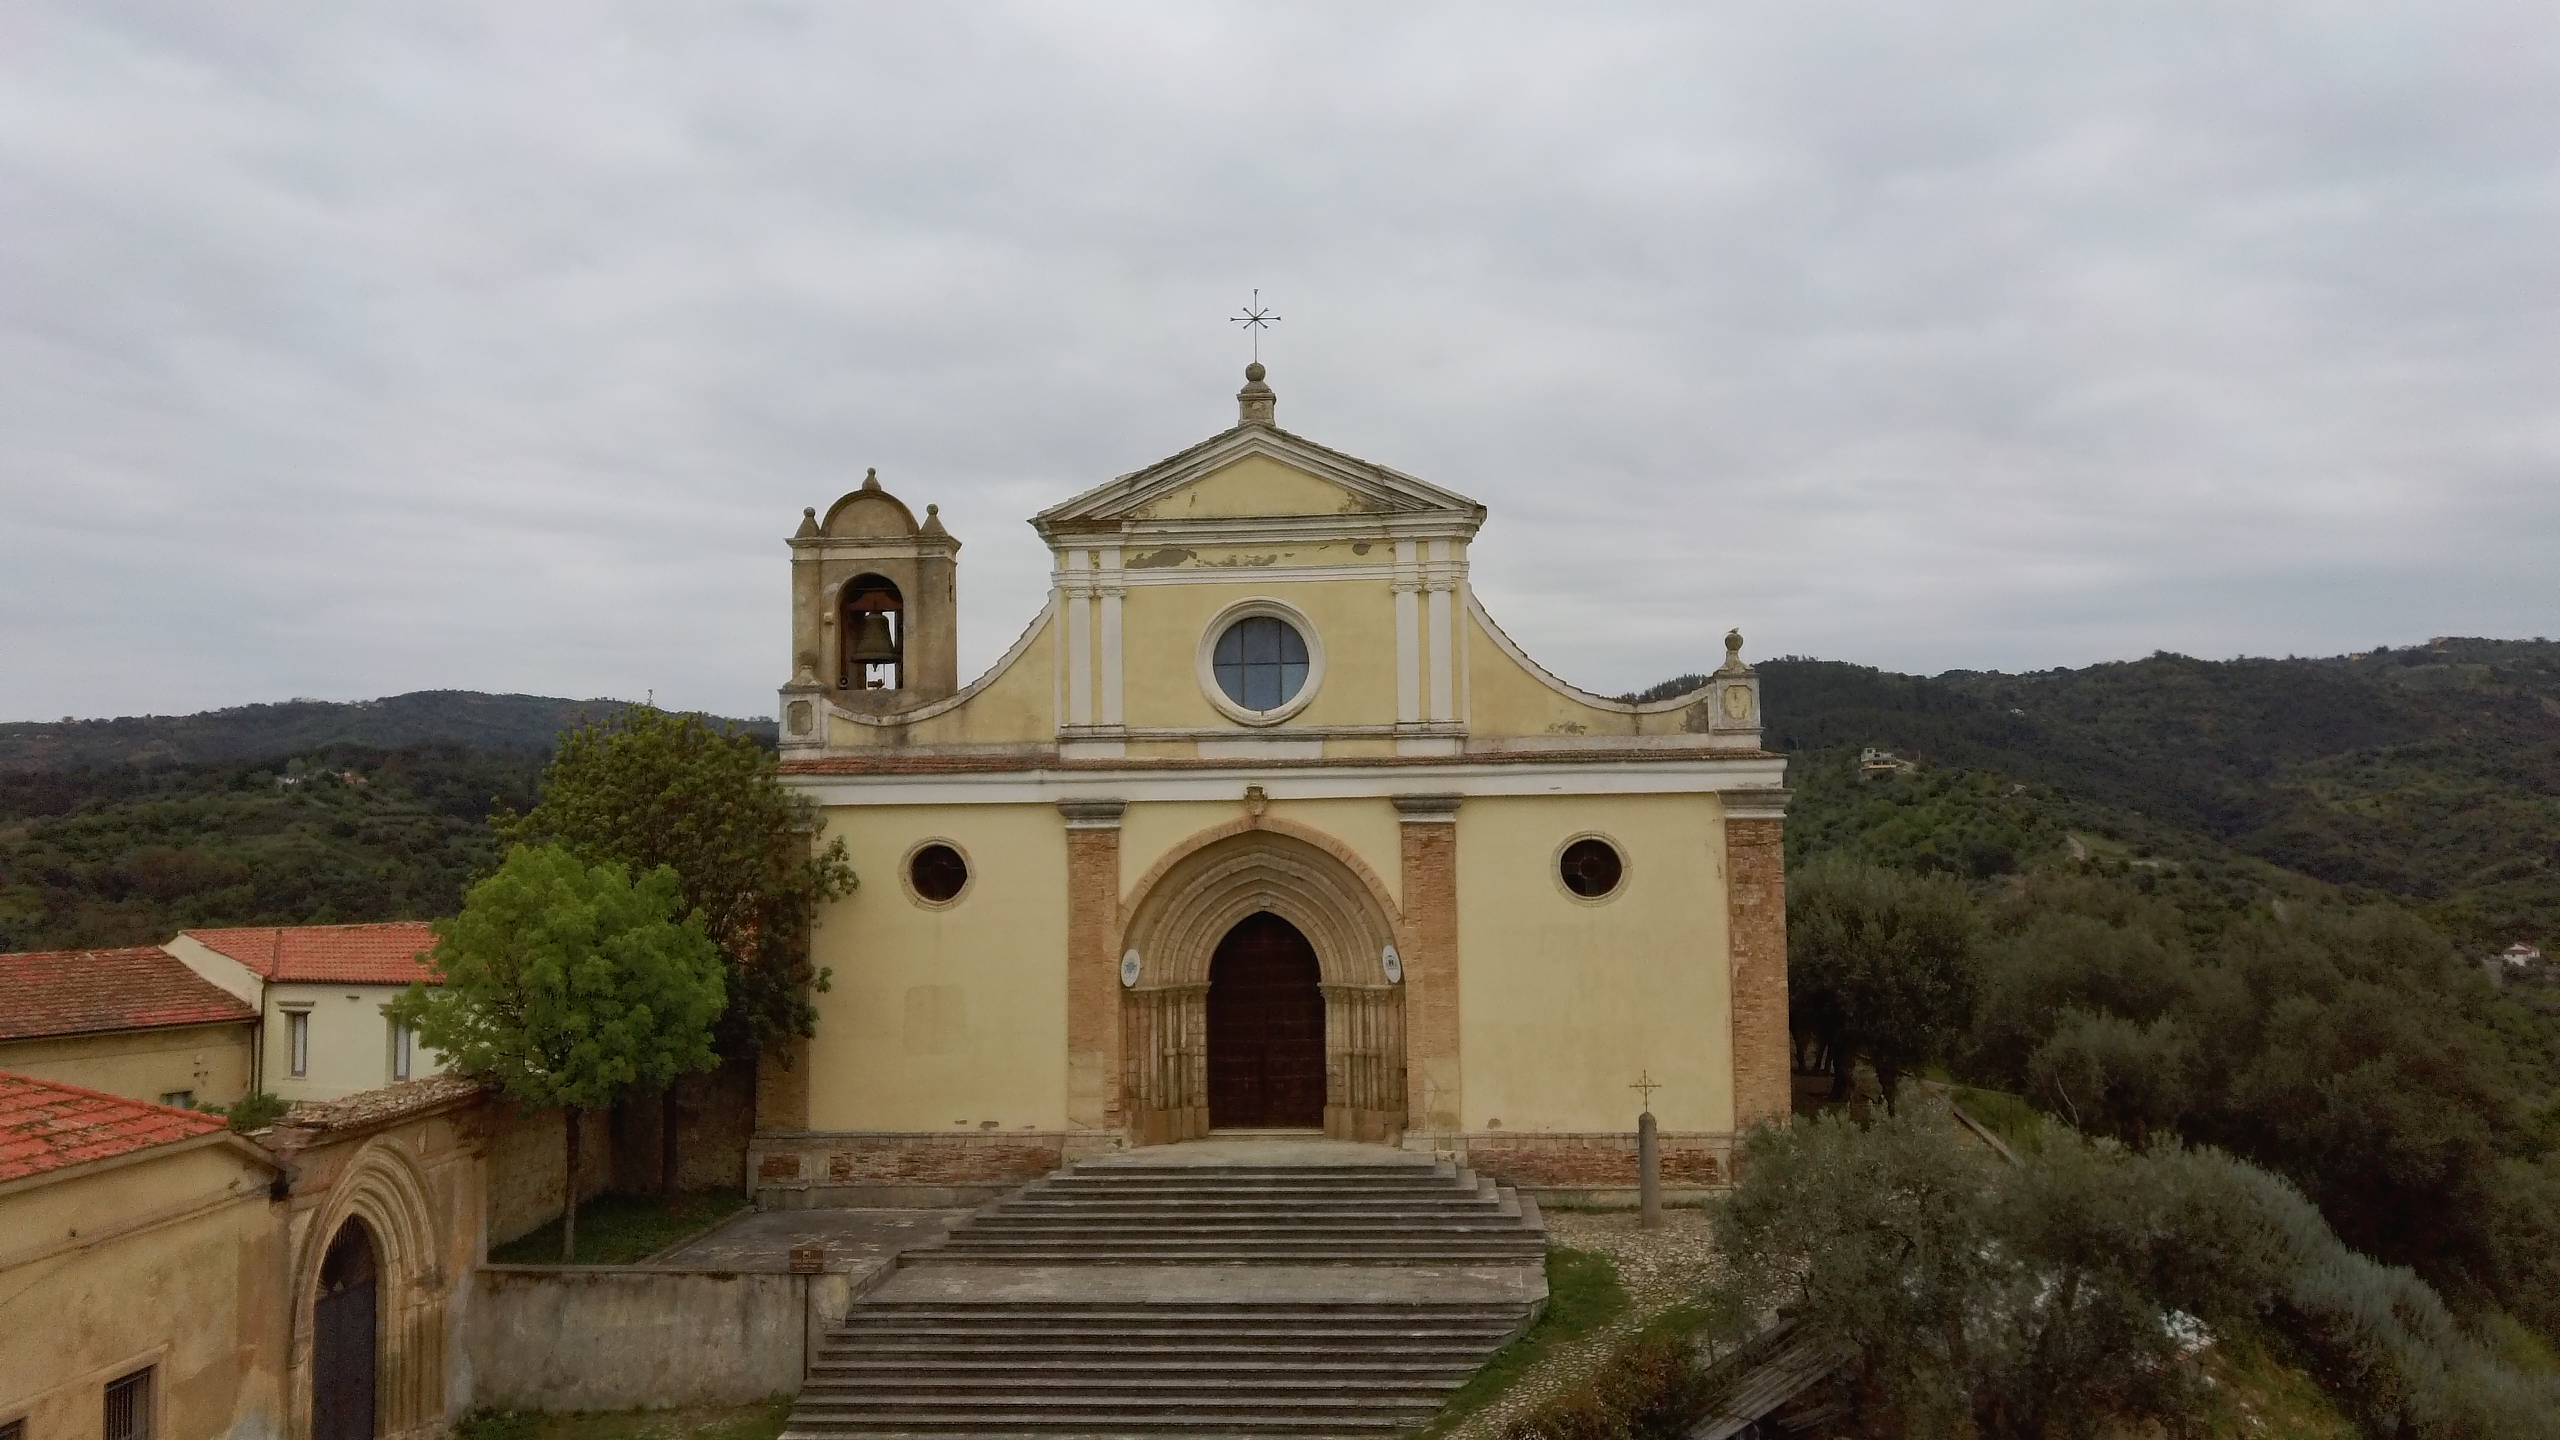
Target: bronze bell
point(871, 642)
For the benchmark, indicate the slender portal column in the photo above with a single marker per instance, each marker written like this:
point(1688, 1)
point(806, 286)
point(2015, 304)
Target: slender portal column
point(1755, 882)
point(1430, 830)
point(1093, 971)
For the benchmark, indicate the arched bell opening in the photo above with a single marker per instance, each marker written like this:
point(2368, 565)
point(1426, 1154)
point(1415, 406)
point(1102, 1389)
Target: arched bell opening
point(345, 1337)
point(871, 635)
point(1256, 909)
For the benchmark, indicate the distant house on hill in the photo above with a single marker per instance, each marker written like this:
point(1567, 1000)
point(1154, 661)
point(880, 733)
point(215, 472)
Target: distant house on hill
point(132, 1022)
point(2520, 956)
point(1874, 763)
point(319, 992)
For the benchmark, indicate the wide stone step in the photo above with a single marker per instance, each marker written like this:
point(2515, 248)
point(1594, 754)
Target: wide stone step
point(1109, 1423)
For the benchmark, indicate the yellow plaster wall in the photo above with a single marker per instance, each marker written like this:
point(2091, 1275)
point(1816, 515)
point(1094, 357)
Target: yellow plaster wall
point(210, 1060)
point(1149, 830)
point(959, 1014)
point(1161, 625)
point(1254, 485)
point(1561, 1003)
point(350, 1041)
point(1261, 557)
point(1504, 699)
point(176, 1262)
point(1018, 705)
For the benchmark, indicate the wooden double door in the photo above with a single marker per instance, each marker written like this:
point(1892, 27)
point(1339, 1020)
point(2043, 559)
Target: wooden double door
point(1266, 1028)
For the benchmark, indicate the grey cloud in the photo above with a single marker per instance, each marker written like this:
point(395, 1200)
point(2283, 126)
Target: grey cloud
point(350, 352)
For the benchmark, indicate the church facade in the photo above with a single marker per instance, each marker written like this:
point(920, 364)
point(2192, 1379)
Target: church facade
point(1262, 824)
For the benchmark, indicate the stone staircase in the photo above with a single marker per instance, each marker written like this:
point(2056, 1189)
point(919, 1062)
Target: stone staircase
point(1144, 1296)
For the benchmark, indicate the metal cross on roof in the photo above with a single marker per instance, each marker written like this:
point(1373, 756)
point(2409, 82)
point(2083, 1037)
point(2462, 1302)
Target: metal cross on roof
point(1646, 1083)
point(1255, 319)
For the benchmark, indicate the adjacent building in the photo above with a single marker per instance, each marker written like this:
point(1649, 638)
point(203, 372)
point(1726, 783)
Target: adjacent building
point(143, 1270)
point(132, 1022)
point(319, 993)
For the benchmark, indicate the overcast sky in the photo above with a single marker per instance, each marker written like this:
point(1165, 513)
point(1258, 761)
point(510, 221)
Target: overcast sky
point(348, 350)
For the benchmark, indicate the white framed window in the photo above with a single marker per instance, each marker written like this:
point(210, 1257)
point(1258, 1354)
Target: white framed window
point(400, 1045)
point(297, 1030)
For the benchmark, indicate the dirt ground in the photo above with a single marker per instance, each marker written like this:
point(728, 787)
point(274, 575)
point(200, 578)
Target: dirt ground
point(1657, 1269)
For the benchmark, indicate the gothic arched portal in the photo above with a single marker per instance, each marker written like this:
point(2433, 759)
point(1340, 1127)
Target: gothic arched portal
point(1241, 882)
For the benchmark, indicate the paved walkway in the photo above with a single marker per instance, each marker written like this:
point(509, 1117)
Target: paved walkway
point(761, 1241)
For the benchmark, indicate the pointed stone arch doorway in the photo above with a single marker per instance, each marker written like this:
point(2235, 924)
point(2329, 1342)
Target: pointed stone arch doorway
point(344, 1316)
point(1272, 914)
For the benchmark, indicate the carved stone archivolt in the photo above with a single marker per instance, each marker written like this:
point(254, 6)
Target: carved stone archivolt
point(1189, 904)
point(384, 1187)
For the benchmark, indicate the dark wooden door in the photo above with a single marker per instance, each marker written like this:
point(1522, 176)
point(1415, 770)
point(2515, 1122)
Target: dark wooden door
point(342, 1344)
point(1266, 1028)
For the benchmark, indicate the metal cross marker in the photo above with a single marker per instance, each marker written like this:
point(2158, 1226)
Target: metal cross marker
point(1255, 319)
point(1646, 1083)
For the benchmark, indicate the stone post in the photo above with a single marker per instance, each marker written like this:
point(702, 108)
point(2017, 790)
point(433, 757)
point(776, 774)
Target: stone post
point(1648, 1174)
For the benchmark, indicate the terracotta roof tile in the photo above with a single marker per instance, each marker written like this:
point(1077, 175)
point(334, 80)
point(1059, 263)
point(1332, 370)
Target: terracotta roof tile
point(45, 1126)
point(391, 953)
point(82, 992)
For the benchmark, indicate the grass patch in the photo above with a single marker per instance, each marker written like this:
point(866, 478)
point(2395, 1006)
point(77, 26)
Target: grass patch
point(2011, 1117)
point(622, 1230)
point(2261, 1393)
point(732, 1422)
point(1583, 1295)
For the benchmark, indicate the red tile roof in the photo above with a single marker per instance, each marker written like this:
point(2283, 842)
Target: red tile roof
point(82, 992)
point(45, 1126)
point(391, 953)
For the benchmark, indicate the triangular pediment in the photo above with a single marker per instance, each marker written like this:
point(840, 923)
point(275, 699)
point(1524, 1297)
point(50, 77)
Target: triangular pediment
point(1255, 472)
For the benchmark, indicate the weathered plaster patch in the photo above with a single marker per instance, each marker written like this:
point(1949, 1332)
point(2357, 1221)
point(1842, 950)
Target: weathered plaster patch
point(1159, 559)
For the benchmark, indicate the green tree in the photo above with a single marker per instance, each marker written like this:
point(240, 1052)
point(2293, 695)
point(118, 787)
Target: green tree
point(571, 985)
point(648, 788)
point(1879, 964)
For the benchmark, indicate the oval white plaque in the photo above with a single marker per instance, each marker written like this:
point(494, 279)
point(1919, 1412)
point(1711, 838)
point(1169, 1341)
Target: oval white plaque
point(1129, 970)
point(1394, 964)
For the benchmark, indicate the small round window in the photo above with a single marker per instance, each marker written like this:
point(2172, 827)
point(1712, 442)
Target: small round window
point(938, 873)
point(1591, 868)
point(1261, 662)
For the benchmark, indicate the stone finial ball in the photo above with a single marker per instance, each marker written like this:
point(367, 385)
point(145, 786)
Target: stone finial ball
point(1253, 371)
point(933, 509)
point(1733, 642)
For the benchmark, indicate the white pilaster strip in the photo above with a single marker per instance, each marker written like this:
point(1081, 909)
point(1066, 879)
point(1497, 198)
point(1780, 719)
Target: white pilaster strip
point(1079, 639)
point(1111, 593)
point(1408, 637)
point(1443, 643)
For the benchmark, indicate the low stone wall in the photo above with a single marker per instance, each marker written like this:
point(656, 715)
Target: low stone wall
point(612, 1337)
point(904, 1170)
point(1588, 1167)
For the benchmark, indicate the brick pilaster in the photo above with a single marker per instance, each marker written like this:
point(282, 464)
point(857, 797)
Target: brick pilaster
point(782, 1085)
point(1756, 931)
point(1093, 970)
point(1430, 832)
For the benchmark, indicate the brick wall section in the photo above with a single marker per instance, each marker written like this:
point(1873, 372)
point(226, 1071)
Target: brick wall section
point(903, 1158)
point(782, 1086)
point(1756, 925)
point(1430, 952)
point(1093, 964)
point(1603, 1160)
